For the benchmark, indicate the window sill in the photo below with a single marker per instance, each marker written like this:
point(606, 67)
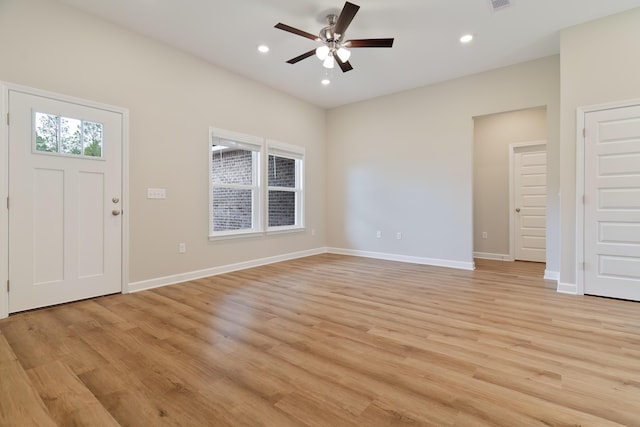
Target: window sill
point(248, 234)
point(284, 230)
point(238, 235)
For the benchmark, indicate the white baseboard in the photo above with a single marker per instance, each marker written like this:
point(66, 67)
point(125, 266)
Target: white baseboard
point(198, 274)
point(404, 258)
point(497, 257)
point(568, 288)
point(552, 275)
point(207, 272)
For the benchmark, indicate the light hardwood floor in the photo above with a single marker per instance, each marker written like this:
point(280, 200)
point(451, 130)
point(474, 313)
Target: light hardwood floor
point(517, 268)
point(328, 341)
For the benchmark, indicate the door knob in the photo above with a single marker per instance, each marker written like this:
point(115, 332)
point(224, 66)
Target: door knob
point(517, 209)
point(115, 200)
point(115, 212)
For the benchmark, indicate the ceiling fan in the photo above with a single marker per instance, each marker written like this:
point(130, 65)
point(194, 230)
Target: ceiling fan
point(334, 46)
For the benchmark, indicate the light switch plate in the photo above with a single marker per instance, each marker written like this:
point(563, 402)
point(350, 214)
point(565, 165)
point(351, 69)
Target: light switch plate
point(156, 193)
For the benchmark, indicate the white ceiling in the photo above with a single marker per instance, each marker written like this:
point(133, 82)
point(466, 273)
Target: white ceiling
point(426, 48)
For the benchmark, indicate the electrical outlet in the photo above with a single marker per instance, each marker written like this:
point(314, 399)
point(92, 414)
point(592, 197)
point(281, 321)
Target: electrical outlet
point(484, 234)
point(182, 248)
point(399, 235)
point(313, 231)
point(378, 234)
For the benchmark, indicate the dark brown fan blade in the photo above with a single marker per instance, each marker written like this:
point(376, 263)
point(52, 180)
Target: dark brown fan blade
point(346, 16)
point(344, 66)
point(285, 27)
point(370, 43)
point(301, 57)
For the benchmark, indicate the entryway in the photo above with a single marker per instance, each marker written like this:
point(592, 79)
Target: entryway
point(509, 185)
point(65, 224)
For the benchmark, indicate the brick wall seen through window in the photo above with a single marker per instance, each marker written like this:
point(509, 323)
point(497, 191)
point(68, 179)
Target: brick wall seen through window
point(232, 207)
point(282, 204)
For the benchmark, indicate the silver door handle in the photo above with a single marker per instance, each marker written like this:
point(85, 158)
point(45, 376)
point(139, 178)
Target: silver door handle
point(517, 209)
point(115, 212)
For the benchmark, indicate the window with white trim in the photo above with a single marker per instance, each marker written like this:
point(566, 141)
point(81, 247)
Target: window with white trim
point(240, 204)
point(284, 186)
point(235, 190)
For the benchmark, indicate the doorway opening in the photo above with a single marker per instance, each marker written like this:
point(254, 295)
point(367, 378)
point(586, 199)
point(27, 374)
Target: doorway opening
point(505, 144)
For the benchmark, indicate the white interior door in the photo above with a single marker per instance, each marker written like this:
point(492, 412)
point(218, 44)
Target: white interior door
point(612, 203)
point(65, 227)
point(530, 201)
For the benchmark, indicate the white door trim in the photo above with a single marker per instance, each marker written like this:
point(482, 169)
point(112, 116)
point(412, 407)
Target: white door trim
point(4, 181)
point(4, 212)
point(580, 142)
point(512, 204)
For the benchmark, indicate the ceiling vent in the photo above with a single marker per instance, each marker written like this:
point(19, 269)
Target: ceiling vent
point(497, 5)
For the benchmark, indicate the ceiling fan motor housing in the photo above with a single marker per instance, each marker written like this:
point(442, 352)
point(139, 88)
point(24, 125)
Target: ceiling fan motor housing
point(326, 34)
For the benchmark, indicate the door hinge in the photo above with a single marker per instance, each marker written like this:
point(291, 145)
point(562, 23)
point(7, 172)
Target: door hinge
point(7, 203)
point(8, 285)
point(7, 119)
point(584, 132)
point(584, 199)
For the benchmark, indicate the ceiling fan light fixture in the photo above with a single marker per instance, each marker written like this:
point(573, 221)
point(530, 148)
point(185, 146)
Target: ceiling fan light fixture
point(344, 54)
point(325, 82)
point(329, 62)
point(322, 52)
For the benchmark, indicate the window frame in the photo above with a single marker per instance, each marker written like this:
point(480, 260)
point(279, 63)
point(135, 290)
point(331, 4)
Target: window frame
point(256, 146)
point(59, 152)
point(262, 148)
point(280, 149)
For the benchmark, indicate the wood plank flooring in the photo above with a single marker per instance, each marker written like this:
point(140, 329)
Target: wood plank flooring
point(517, 268)
point(328, 340)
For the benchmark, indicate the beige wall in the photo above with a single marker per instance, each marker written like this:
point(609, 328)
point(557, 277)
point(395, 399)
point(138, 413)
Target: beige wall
point(599, 64)
point(173, 98)
point(492, 135)
point(399, 163)
point(403, 162)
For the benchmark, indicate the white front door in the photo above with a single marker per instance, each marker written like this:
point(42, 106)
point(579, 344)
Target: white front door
point(65, 184)
point(612, 203)
point(530, 200)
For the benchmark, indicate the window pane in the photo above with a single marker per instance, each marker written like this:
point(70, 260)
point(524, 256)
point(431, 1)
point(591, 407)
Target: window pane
point(232, 166)
point(64, 135)
point(92, 139)
point(46, 132)
point(232, 209)
point(282, 208)
point(282, 172)
point(70, 138)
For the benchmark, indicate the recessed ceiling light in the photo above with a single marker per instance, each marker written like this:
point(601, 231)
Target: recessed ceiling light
point(325, 81)
point(263, 48)
point(466, 38)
